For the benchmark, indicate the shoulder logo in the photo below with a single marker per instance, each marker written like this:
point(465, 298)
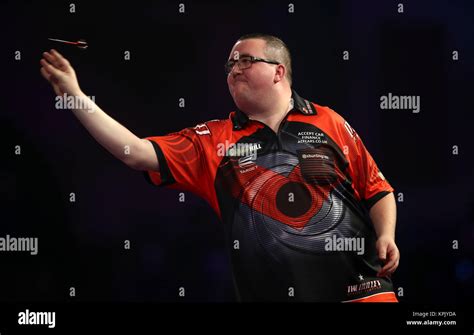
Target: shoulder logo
point(202, 129)
point(350, 130)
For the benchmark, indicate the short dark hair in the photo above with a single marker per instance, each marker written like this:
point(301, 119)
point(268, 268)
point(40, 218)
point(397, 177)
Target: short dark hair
point(275, 49)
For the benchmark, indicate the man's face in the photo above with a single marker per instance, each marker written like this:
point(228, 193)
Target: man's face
point(251, 85)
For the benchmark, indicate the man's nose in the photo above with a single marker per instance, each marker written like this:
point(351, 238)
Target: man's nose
point(235, 70)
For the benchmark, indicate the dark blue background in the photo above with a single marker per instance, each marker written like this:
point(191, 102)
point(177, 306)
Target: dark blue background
point(174, 55)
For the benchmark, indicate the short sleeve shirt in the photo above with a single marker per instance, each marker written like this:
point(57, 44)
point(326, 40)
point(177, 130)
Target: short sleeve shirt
point(294, 202)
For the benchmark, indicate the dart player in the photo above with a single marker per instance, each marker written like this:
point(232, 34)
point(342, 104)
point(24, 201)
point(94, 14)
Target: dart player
point(307, 213)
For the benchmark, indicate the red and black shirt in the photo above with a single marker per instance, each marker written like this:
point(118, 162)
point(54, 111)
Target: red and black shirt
point(288, 201)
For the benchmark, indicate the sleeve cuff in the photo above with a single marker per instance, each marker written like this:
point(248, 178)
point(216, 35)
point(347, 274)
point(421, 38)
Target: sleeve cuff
point(374, 199)
point(164, 171)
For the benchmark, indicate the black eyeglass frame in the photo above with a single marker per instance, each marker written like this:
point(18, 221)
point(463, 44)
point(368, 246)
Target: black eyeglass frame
point(231, 63)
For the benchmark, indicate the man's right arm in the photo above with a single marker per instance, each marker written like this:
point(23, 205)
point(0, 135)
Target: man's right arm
point(135, 152)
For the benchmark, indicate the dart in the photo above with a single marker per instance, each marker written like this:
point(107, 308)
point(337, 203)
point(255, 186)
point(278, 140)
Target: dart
point(81, 44)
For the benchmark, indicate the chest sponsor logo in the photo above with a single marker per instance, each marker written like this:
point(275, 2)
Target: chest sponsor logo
point(245, 152)
point(228, 149)
point(247, 163)
point(312, 137)
point(317, 165)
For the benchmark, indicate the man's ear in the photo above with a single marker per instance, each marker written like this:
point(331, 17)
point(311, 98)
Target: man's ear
point(280, 73)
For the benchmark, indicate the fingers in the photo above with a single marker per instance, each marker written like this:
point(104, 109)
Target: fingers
point(63, 62)
point(382, 255)
point(382, 252)
point(393, 268)
point(57, 54)
point(57, 60)
point(388, 270)
point(45, 74)
point(51, 70)
point(391, 265)
point(51, 59)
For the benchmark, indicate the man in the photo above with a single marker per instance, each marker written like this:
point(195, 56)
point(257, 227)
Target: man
point(308, 215)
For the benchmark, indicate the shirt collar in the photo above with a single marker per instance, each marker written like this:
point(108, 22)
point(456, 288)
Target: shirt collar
point(240, 119)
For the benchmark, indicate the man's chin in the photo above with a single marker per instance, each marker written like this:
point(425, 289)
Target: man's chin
point(242, 103)
point(242, 98)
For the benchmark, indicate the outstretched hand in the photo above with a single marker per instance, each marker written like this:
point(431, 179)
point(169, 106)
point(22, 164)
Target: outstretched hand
point(58, 71)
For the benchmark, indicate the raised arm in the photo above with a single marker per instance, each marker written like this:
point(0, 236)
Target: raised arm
point(136, 153)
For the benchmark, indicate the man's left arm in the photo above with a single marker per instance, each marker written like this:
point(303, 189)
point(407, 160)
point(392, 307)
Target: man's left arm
point(375, 193)
point(384, 215)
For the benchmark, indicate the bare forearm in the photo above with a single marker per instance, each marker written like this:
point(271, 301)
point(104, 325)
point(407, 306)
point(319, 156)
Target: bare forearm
point(114, 137)
point(118, 140)
point(384, 216)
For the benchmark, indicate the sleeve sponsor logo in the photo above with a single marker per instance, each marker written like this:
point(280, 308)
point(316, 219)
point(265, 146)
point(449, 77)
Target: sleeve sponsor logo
point(350, 130)
point(202, 129)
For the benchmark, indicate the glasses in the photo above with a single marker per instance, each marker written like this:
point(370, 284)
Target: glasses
point(245, 62)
